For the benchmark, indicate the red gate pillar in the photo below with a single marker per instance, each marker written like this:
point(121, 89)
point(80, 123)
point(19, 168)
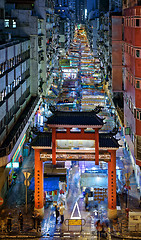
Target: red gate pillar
point(39, 178)
point(112, 210)
point(53, 146)
point(96, 147)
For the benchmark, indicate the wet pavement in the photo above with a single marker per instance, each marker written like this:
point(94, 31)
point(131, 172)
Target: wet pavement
point(77, 88)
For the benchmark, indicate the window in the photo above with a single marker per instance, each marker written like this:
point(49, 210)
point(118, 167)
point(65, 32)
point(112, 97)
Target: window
point(5, 66)
point(2, 67)
point(127, 131)
point(132, 51)
point(2, 94)
point(132, 108)
point(39, 25)
point(132, 80)
point(138, 53)
point(14, 24)
point(126, 22)
point(134, 113)
point(129, 22)
point(130, 104)
point(137, 114)
point(129, 49)
point(6, 23)
point(127, 101)
point(7, 89)
point(137, 22)
point(128, 77)
point(14, 85)
point(137, 84)
point(1, 13)
point(11, 62)
point(132, 22)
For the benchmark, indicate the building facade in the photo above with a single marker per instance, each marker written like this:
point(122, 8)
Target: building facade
point(29, 46)
point(132, 82)
point(81, 11)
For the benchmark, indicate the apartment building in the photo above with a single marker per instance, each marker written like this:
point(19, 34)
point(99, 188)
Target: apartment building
point(81, 11)
point(66, 26)
point(132, 82)
point(26, 28)
point(29, 48)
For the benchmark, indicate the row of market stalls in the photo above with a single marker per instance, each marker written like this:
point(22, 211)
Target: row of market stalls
point(81, 90)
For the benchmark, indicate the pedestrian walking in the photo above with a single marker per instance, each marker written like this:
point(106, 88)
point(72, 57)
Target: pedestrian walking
point(86, 201)
point(99, 228)
point(109, 233)
point(34, 219)
point(61, 211)
point(2, 223)
point(9, 222)
point(21, 220)
point(57, 212)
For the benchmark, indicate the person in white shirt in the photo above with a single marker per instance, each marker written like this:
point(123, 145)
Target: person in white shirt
point(61, 211)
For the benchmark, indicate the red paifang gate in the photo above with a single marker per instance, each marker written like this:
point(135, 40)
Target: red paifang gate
point(88, 125)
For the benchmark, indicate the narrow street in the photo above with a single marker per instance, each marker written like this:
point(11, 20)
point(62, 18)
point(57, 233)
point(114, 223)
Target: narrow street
point(82, 90)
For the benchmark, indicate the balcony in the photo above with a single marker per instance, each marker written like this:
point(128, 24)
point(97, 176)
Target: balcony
point(17, 129)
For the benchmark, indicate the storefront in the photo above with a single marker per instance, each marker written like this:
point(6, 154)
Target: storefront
point(16, 161)
point(53, 188)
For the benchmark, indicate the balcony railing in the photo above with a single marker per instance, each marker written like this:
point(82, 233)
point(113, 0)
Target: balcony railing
point(14, 134)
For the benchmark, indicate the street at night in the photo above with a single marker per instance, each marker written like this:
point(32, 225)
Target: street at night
point(70, 115)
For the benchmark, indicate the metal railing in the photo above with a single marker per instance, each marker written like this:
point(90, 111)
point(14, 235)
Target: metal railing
point(22, 121)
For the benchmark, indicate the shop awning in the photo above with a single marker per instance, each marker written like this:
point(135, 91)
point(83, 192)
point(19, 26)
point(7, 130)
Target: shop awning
point(50, 184)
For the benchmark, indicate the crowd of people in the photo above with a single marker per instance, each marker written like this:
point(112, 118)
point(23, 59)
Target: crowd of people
point(6, 224)
point(59, 211)
point(60, 207)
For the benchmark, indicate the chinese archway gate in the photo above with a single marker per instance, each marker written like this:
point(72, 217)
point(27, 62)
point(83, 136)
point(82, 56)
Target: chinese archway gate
point(75, 126)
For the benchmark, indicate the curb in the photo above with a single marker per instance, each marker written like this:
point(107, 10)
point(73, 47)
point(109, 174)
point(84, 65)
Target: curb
point(125, 236)
point(19, 237)
point(22, 236)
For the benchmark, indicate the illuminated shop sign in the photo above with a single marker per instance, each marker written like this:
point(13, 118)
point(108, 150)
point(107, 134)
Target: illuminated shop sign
point(19, 148)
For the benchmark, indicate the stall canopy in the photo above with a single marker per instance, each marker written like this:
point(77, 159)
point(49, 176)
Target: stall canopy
point(50, 184)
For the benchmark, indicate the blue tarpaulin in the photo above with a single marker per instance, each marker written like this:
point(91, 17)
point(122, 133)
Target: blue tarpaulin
point(50, 184)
